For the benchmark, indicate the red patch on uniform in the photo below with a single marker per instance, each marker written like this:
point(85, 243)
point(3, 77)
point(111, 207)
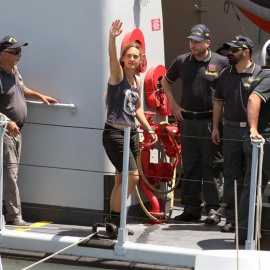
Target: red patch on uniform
point(212, 67)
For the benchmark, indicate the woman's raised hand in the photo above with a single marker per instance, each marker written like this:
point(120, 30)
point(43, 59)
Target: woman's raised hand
point(115, 29)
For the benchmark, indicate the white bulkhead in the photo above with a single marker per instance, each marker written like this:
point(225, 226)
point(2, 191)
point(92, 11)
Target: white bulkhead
point(63, 160)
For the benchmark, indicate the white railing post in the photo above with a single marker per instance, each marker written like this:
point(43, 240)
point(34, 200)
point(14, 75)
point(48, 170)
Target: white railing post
point(250, 242)
point(122, 231)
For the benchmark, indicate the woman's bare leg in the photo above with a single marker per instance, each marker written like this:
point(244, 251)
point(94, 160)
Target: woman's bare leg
point(132, 182)
point(117, 183)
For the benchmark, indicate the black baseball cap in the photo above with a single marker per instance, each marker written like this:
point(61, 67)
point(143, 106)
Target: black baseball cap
point(11, 43)
point(239, 42)
point(199, 32)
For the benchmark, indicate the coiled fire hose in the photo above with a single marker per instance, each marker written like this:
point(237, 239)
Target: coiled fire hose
point(157, 192)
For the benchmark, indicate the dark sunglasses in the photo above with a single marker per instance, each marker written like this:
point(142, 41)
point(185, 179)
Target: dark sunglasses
point(16, 52)
point(234, 49)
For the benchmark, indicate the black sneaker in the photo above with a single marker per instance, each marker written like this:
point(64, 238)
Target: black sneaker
point(186, 217)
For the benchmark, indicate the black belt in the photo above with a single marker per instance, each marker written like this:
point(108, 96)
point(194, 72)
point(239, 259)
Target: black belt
point(109, 127)
point(197, 115)
point(234, 123)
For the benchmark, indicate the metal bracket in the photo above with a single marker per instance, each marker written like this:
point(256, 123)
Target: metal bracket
point(110, 233)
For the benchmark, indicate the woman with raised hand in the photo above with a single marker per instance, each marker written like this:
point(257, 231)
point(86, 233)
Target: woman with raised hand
point(123, 102)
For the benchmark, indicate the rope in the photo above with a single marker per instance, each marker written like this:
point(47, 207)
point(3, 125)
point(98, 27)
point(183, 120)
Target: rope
point(240, 21)
point(56, 253)
point(140, 132)
point(259, 192)
point(226, 7)
point(172, 195)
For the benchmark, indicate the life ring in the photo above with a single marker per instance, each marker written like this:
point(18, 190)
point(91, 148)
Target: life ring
point(136, 36)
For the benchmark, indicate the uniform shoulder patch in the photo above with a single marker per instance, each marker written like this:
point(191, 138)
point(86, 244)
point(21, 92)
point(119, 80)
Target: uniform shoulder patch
point(212, 67)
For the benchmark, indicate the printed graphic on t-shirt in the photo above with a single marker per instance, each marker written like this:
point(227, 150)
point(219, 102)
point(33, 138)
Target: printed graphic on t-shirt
point(130, 101)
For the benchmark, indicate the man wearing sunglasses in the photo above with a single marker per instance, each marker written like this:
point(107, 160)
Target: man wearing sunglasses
point(12, 104)
point(230, 102)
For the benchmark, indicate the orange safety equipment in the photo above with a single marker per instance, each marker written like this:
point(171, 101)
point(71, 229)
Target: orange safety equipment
point(154, 94)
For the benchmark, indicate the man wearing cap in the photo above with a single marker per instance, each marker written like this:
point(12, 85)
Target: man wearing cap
point(199, 70)
point(13, 105)
point(258, 112)
point(230, 102)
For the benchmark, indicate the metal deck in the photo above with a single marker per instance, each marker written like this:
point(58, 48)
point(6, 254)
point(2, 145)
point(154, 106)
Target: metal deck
point(192, 237)
point(173, 234)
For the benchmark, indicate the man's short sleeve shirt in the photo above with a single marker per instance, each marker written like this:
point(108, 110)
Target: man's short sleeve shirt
point(233, 88)
point(12, 100)
point(199, 79)
point(261, 87)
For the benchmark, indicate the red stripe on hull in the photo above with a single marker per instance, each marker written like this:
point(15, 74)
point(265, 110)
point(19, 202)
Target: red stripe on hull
point(263, 24)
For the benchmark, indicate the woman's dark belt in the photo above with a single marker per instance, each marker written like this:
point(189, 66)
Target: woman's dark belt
point(197, 115)
point(108, 126)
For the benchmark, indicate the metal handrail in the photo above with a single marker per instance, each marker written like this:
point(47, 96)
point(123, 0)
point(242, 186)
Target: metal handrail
point(62, 105)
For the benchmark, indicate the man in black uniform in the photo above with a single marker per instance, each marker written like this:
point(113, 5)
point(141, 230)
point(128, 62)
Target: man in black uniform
point(199, 71)
point(258, 112)
point(13, 105)
point(231, 96)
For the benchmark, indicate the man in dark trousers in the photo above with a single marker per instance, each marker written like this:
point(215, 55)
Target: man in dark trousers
point(258, 112)
point(13, 105)
point(230, 102)
point(199, 70)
